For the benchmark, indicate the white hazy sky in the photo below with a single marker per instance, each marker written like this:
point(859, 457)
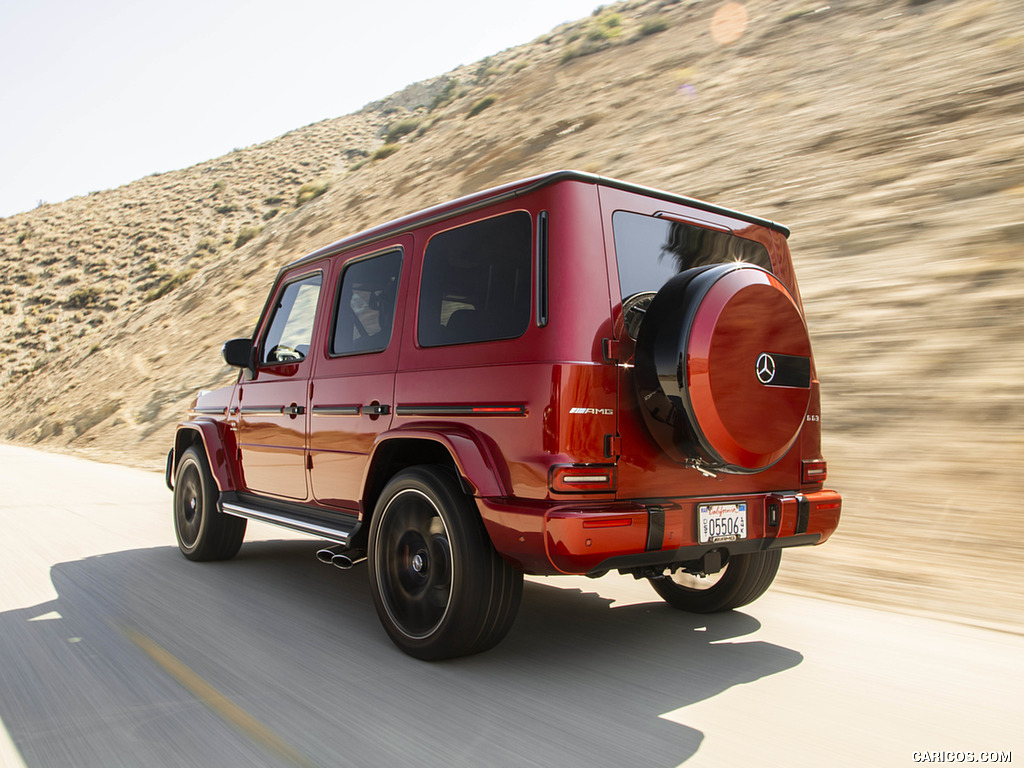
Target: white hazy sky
point(96, 94)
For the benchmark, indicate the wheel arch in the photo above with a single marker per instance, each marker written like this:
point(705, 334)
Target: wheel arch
point(207, 437)
point(457, 448)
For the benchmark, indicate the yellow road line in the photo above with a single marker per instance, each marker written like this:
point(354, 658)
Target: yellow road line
point(217, 701)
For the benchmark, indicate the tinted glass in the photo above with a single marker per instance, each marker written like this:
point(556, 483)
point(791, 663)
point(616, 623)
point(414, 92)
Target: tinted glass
point(650, 250)
point(366, 305)
point(476, 282)
point(291, 328)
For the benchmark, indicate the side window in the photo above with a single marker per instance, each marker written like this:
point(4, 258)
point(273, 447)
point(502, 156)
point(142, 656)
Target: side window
point(476, 282)
point(291, 328)
point(650, 250)
point(366, 304)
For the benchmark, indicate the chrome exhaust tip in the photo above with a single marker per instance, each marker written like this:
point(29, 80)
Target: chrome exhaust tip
point(347, 560)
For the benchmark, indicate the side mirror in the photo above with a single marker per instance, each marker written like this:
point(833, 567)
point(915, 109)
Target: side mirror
point(239, 353)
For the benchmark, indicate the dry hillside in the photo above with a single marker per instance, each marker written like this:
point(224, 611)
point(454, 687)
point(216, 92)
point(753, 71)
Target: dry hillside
point(889, 134)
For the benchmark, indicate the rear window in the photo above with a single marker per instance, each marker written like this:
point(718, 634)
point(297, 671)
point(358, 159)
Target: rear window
point(476, 282)
point(650, 250)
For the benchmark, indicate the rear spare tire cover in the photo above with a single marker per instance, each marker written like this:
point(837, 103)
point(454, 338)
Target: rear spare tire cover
point(723, 368)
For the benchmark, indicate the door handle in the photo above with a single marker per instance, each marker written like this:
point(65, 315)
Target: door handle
point(293, 410)
point(377, 409)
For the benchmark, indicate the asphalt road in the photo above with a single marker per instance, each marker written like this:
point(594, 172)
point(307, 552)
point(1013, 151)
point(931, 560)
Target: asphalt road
point(116, 651)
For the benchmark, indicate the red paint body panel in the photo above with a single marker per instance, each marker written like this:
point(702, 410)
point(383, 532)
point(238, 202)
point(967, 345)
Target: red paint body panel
point(504, 413)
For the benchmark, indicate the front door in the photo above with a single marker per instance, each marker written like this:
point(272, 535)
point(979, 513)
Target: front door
point(273, 405)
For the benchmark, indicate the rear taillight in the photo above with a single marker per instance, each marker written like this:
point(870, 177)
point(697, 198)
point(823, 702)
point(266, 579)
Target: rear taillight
point(582, 478)
point(814, 471)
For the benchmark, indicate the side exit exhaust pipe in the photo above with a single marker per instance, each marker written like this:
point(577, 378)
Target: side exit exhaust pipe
point(348, 559)
point(345, 559)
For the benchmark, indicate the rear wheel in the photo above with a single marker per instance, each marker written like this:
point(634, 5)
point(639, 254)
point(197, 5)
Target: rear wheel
point(203, 532)
point(440, 588)
point(744, 579)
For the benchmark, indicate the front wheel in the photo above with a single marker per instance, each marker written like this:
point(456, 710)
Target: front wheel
point(744, 579)
point(203, 532)
point(440, 588)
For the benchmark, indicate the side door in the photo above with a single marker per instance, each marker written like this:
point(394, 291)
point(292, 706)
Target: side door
point(273, 404)
point(352, 393)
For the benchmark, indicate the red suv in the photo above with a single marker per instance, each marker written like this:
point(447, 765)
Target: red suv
point(563, 375)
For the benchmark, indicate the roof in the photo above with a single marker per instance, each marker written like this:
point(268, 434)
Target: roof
point(511, 190)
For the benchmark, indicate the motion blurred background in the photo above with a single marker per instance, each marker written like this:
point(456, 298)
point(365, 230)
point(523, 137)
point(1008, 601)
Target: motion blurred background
point(887, 135)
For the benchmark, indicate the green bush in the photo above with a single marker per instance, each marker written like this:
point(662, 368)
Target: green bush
point(84, 297)
point(401, 128)
point(480, 106)
point(245, 234)
point(311, 191)
point(168, 283)
point(653, 26)
point(605, 27)
point(386, 151)
point(446, 96)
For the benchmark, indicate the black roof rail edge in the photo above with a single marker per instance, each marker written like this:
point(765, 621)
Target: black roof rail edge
point(509, 191)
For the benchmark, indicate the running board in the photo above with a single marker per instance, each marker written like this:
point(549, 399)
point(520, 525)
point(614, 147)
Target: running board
point(292, 518)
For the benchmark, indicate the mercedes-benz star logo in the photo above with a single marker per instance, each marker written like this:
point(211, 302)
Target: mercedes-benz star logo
point(765, 368)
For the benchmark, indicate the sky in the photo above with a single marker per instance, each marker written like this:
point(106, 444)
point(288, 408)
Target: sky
point(97, 94)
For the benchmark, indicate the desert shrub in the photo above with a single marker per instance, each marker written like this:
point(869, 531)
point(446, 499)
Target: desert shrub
point(583, 48)
point(273, 200)
point(653, 26)
point(207, 244)
point(311, 191)
point(168, 282)
point(386, 151)
point(84, 297)
point(401, 128)
point(605, 27)
point(270, 214)
point(245, 234)
point(480, 106)
point(223, 210)
point(447, 95)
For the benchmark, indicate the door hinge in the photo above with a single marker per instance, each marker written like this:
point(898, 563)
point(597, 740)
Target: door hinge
point(610, 350)
point(612, 446)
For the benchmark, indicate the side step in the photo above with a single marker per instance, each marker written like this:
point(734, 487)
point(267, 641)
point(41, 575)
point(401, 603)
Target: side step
point(338, 528)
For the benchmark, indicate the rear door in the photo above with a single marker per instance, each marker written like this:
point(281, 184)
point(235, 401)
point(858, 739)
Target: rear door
point(352, 393)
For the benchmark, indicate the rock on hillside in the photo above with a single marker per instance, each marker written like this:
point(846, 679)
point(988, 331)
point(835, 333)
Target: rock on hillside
point(887, 134)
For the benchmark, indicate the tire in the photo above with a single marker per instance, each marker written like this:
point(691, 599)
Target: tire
point(439, 587)
point(203, 532)
point(744, 579)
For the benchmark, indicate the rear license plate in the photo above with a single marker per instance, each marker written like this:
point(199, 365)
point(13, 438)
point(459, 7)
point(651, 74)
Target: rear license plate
point(722, 522)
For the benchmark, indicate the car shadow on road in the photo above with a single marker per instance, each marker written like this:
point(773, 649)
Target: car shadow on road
point(145, 658)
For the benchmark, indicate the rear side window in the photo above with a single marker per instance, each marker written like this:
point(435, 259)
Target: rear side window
point(291, 328)
point(476, 282)
point(650, 250)
point(365, 314)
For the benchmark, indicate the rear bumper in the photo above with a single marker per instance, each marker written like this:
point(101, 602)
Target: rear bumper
point(595, 537)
